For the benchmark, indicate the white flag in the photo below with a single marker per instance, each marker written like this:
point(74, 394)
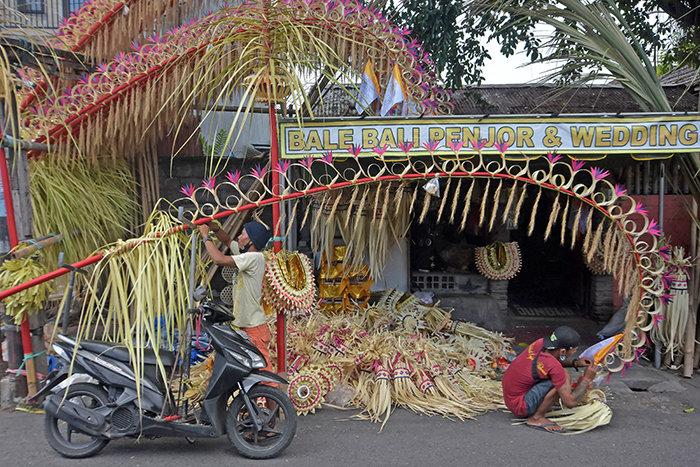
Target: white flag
point(369, 89)
point(395, 93)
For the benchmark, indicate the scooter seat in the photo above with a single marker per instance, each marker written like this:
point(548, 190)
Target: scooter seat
point(121, 352)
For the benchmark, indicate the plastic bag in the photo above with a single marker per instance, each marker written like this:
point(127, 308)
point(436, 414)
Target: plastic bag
point(433, 187)
point(340, 396)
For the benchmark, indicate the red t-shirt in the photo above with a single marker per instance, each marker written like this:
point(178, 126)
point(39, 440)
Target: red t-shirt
point(518, 380)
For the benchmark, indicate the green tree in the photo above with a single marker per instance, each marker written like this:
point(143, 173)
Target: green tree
point(454, 32)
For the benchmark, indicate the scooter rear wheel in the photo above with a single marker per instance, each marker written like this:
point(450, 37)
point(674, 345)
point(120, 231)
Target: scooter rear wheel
point(278, 425)
point(66, 440)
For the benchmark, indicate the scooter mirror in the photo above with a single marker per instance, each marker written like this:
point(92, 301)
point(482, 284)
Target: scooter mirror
point(199, 293)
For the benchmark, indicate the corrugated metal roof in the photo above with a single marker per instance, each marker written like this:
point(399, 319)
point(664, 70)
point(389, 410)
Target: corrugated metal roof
point(550, 99)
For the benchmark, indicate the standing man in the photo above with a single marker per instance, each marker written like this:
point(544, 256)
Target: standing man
point(536, 379)
point(248, 258)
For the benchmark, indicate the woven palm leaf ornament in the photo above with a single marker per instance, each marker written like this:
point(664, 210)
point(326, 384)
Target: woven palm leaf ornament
point(129, 101)
point(499, 261)
point(289, 284)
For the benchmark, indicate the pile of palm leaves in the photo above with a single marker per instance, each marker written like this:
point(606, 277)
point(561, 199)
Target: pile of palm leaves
point(397, 352)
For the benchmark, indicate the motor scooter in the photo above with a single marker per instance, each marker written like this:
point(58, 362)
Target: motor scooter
point(83, 417)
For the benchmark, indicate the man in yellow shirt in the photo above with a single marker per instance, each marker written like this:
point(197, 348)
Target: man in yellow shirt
point(249, 260)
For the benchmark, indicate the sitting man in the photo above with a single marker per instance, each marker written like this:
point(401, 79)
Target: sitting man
point(536, 379)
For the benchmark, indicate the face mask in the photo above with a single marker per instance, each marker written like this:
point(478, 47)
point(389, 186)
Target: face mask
point(246, 247)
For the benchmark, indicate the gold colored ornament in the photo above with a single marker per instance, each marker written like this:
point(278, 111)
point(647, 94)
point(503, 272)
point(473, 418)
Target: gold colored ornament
point(499, 261)
point(288, 284)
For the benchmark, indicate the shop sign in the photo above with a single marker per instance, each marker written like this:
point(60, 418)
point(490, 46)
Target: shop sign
point(528, 135)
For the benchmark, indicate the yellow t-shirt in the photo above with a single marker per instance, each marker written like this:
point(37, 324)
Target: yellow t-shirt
point(247, 288)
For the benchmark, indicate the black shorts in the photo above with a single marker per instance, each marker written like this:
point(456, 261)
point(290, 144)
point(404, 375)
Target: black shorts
point(535, 396)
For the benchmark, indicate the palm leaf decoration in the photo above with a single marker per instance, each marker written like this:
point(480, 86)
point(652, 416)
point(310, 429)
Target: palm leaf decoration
point(267, 51)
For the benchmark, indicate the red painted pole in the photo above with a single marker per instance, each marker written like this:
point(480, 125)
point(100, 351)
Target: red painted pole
point(7, 193)
point(276, 232)
point(14, 241)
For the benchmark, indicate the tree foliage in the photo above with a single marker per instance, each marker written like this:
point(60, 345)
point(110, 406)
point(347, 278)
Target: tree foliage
point(455, 33)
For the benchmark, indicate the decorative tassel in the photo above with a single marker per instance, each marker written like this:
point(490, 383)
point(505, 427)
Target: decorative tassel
point(564, 217)
point(630, 321)
point(518, 207)
point(497, 195)
point(377, 195)
point(607, 246)
point(534, 213)
point(509, 203)
point(467, 205)
point(338, 197)
point(413, 199)
point(631, 281)
point(595, 244)
point(484, 198)
point(353, 197)
point(455, 199)
point(589, 231)
point(385, 206)
point(574, 227)
point(552, 217)
point(361, 208)
point(320, 211)
point(426, 206)
point(444, 200)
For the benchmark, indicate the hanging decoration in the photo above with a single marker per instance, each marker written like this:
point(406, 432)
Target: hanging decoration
point(499, 261)
point(288, 284)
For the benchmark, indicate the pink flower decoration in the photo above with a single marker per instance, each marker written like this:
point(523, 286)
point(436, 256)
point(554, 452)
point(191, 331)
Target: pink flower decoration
point(657, 318)
point(665, 252)
point(667, 279)
point(478, 144)
point(666, 299)
point(307, 161)
point(456, 145)
point(577, 164)
point(620, 190)
point(654, 228)
point(209, 183)
point(599, 173)
point(258, 171)
point(638, 353)
point(431, 145)
point(327, 157)
point(283, 165)
point(380, 150)
point(406, 146)
point(234, 177)
point(188, 190)
point(355, 150)
point(502, 146)
point(641, 209)
point(553, 157)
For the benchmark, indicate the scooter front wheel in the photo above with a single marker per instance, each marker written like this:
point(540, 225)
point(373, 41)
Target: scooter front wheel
point(64, 438)
point(278, 420)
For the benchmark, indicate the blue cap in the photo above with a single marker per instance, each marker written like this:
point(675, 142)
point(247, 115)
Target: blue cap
point(258, 234)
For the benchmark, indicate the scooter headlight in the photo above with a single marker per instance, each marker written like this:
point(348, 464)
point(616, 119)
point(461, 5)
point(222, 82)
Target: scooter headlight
point(243, 360)
point(249, 360)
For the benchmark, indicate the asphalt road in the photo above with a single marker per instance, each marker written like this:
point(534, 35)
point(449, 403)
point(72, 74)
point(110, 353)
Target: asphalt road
point(646, 429)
